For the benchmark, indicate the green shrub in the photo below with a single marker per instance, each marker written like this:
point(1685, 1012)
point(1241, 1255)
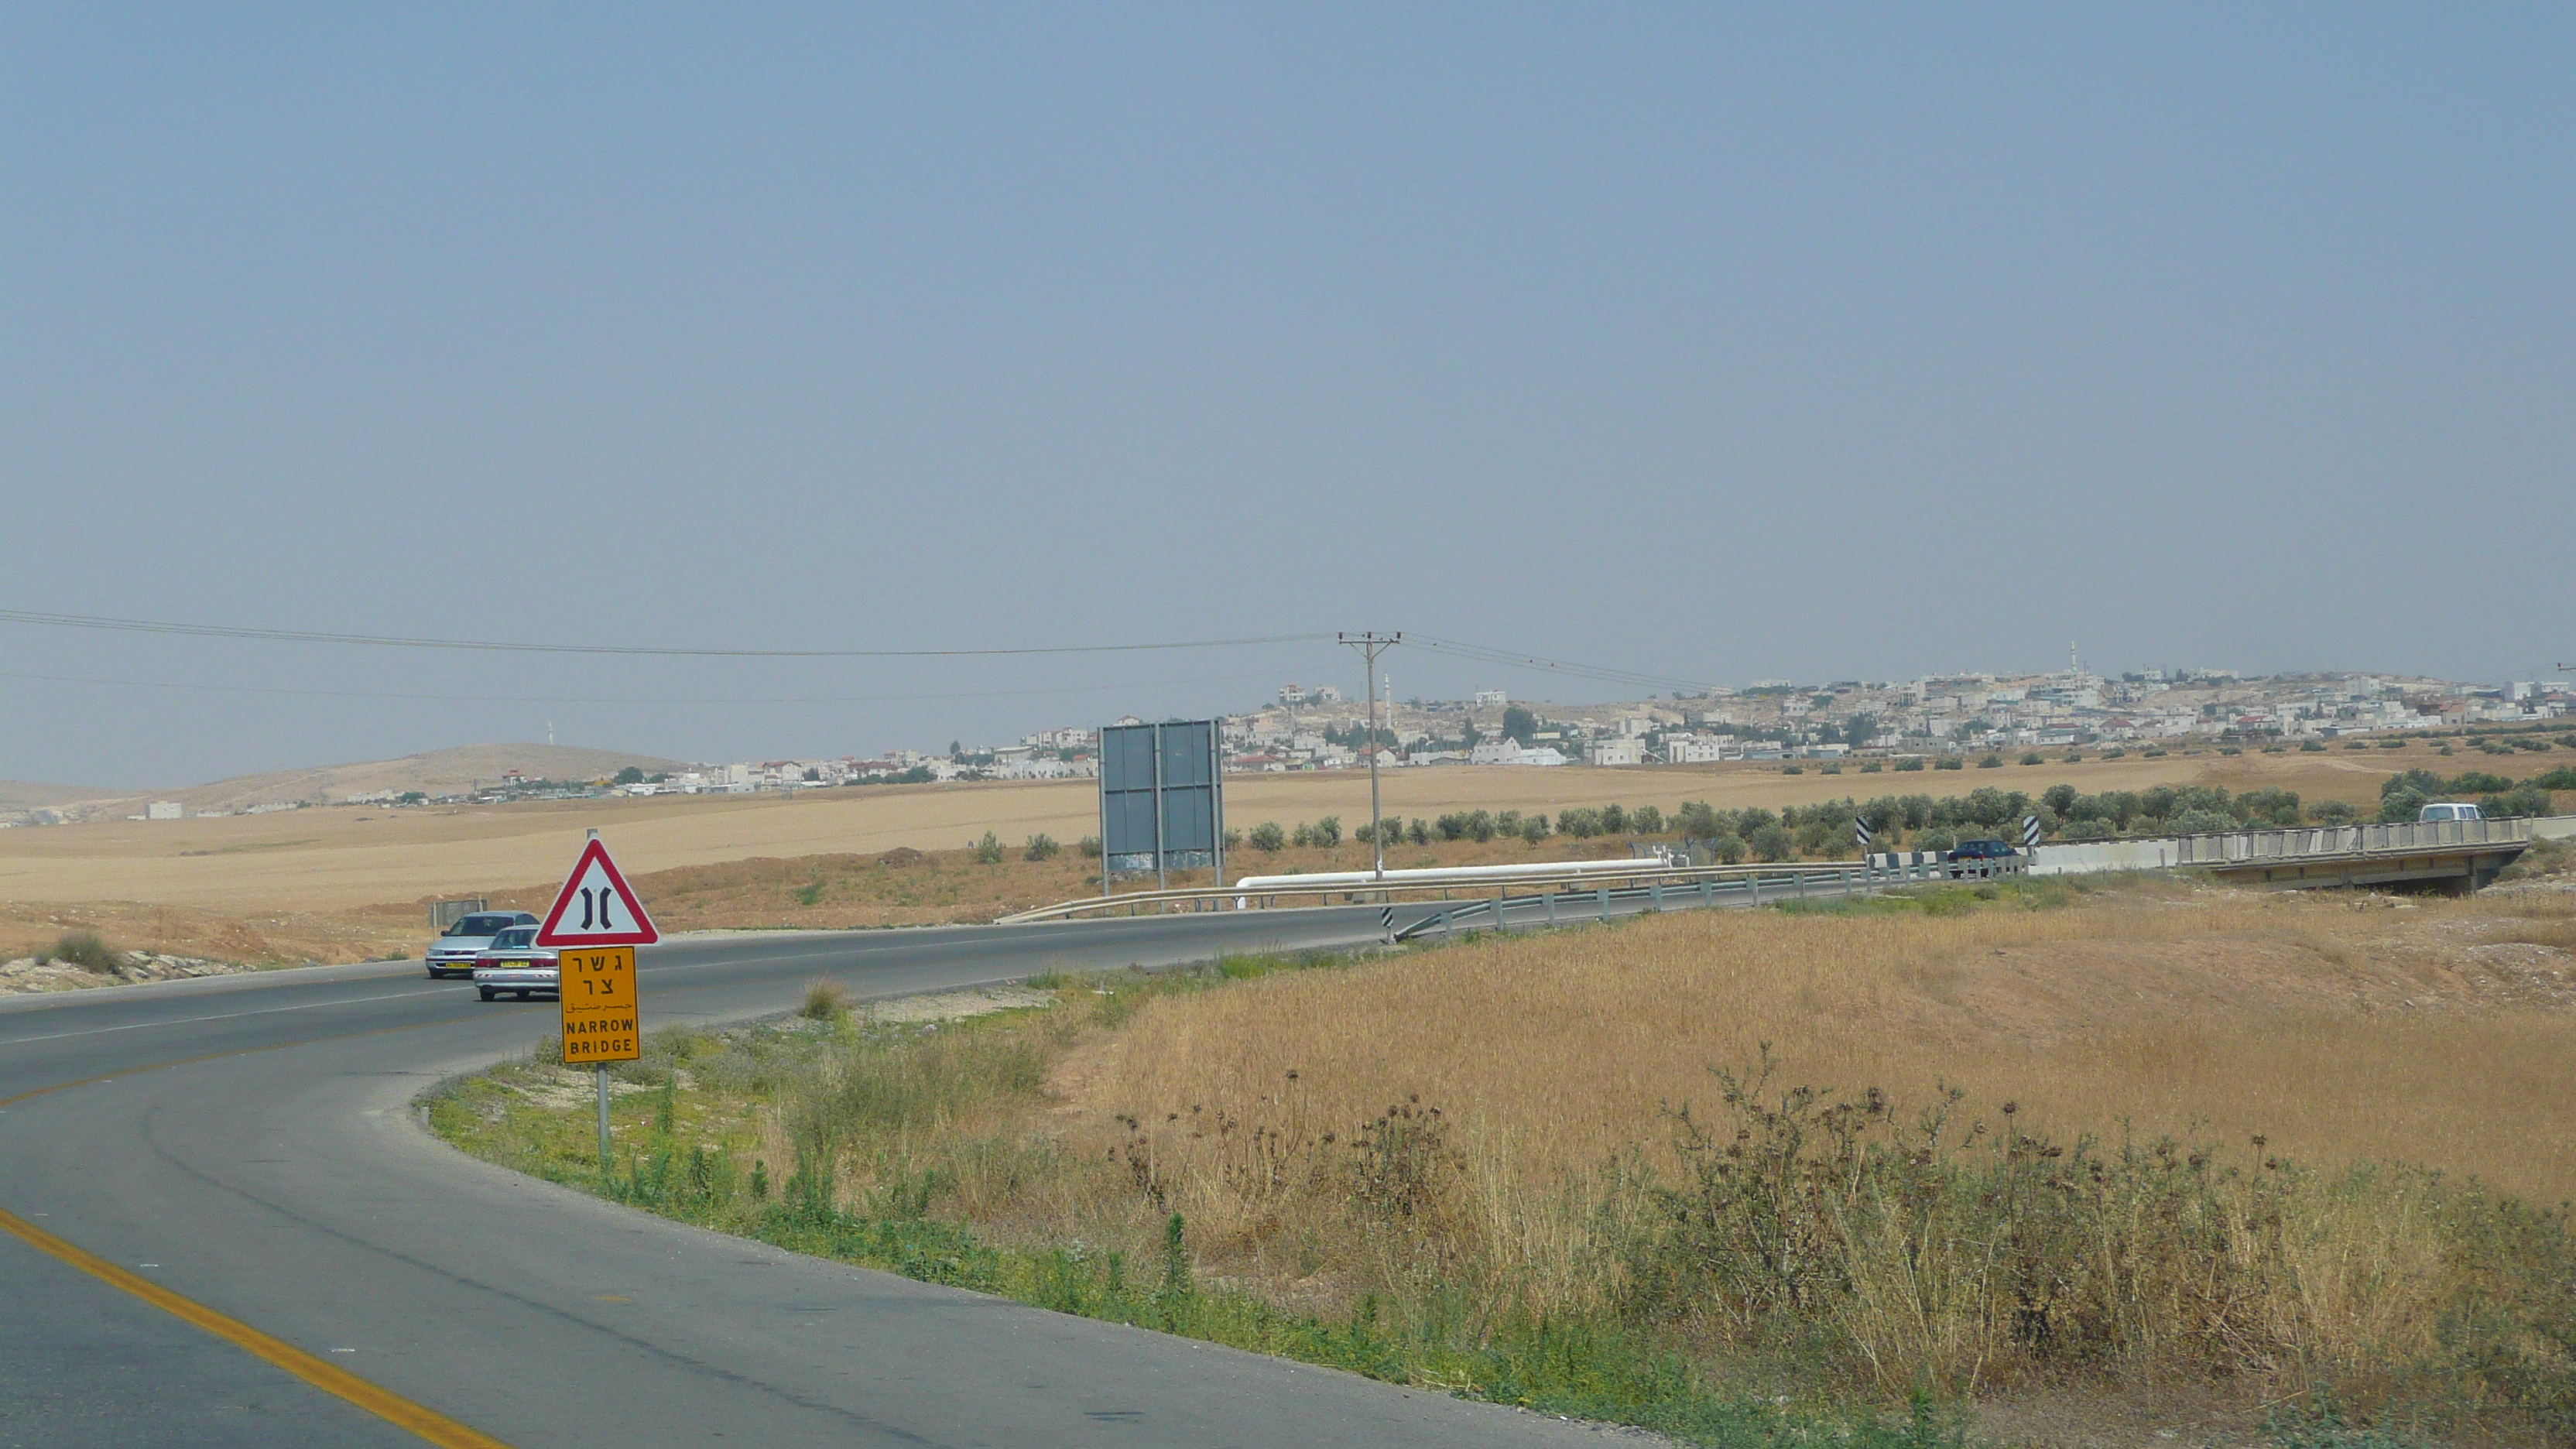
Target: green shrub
point(1991, 762)
point(1949, 762)
point(988, 851)
point(2521, 800)
point(1267, 837)
point(85, 950)
point(2033, 758)
point(1041, 846)
point(825, 999)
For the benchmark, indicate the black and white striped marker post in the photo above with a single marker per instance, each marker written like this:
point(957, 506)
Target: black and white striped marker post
point(1861, 834)
point(2030, 832)
point(1386, 922)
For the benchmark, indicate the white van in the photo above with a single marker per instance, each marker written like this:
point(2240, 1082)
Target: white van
point(2448, 812)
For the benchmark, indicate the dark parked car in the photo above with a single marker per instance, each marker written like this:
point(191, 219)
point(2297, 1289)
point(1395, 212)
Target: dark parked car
point(1981, 858)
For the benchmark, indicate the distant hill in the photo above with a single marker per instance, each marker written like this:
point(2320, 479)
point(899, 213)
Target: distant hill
point(438, 772)
point(20, 795)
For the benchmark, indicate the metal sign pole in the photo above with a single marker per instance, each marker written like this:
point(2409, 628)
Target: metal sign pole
point(1160, 882)
point(1216, 797)
point(602, 1071)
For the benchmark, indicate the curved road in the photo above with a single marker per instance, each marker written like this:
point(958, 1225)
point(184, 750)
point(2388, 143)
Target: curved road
point(248, 1145)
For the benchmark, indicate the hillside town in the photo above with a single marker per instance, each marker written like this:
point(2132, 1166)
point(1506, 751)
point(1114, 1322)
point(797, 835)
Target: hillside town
point(1319, 727)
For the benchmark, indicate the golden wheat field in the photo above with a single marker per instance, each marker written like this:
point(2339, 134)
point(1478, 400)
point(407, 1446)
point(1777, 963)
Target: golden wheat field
point(2437, 1035)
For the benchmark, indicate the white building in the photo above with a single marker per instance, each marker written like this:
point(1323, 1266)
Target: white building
point(163, 810)
point(1491, 699)
point(1624, 750)
point(1694, 749)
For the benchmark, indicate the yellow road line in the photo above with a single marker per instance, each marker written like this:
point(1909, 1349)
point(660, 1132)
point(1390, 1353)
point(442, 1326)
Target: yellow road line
point(429, 1424)
point(391, 1407)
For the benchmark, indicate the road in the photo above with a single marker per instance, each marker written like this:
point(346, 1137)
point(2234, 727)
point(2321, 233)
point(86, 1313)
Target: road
point(248, 1144)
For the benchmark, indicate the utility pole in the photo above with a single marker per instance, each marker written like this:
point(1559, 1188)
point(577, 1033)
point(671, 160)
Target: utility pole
point(1371, 644)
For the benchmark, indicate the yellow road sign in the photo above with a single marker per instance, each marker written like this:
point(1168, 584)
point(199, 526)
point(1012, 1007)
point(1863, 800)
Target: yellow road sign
point(601, 1018)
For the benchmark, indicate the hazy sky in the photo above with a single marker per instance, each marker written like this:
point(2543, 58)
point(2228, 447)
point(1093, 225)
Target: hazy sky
point(1819, 342)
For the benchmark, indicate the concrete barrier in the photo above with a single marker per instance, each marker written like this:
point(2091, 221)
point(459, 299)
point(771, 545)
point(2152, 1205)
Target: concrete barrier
point(2293, 844)
point(2086, 857)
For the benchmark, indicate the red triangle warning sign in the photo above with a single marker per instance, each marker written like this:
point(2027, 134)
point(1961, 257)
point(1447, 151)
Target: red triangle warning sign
point(596, 907)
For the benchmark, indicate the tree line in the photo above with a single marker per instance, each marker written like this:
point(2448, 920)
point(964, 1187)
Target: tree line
point(1940, 822)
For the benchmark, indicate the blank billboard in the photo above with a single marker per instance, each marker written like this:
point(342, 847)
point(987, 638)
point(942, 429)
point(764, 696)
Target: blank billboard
point(1161, 800)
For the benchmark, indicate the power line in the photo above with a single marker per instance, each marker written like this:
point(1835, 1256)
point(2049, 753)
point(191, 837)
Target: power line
point(595, 699)
point(1458, 648)
point(399, 641)
point(1604, 673)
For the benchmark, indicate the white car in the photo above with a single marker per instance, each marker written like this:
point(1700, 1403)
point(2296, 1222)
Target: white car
point(2447, 810)
point(515, 963)
point(453, 953)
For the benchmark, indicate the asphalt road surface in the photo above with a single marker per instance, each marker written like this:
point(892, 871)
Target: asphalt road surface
point(242, 1154)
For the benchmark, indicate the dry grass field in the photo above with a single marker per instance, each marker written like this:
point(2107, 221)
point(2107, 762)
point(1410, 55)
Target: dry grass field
point(348, 882)
point(2301, 1110)
point(2337, 1030)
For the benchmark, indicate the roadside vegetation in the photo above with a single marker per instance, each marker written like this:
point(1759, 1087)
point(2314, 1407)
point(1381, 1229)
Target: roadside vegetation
point(1852, 1173)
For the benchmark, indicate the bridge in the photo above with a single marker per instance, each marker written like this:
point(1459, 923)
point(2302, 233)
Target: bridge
point(2460, 854)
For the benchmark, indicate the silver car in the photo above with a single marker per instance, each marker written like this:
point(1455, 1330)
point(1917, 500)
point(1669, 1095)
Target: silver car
point(515, 963)
point(453, 953)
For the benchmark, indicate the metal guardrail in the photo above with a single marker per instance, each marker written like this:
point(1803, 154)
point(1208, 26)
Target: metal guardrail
point(1779, 878)
point(2309, 842)
point(1708, 890)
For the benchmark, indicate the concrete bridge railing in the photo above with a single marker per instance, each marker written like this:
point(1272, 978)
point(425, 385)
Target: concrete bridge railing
point(2295, 843)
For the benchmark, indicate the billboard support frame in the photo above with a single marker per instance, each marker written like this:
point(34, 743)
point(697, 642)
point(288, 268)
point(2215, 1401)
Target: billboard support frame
point(1158, 785)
